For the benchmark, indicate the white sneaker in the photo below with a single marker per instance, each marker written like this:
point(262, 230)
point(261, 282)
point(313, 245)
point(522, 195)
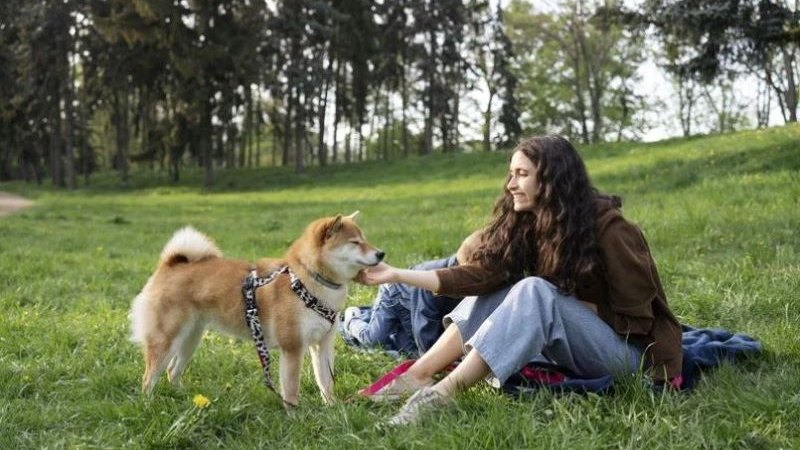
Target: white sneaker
point(402, 386)
point(425, 400)
point(349, 314)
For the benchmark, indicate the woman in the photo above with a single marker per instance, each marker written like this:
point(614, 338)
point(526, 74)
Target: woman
point(586, 294)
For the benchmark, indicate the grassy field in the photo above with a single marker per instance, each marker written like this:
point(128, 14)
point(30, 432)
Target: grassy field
point(722, 215)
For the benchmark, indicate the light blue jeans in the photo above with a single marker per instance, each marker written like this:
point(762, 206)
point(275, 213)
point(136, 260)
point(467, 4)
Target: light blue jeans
point(533, 321)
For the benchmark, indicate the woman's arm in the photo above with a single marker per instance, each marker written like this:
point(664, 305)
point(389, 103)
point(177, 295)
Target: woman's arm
point(456, 281)
point(384, 273)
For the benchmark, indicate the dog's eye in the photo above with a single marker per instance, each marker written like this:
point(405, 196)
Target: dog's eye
point(356, 242)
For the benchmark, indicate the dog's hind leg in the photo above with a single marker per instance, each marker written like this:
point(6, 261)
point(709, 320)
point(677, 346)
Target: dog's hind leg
point(322, 361)
point(156, 356)
point(159, 348)
point(291, 363)
point(183, 348)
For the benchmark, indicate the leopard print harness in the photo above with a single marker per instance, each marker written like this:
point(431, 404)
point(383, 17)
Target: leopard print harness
point(253, 282)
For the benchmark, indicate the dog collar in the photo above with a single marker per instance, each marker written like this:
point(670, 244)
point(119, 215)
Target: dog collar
point(324, 281)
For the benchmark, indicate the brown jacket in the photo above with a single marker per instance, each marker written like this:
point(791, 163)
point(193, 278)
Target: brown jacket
point(628, 293)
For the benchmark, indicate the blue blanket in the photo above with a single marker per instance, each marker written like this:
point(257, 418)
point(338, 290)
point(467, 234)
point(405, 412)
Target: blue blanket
point(703, 349)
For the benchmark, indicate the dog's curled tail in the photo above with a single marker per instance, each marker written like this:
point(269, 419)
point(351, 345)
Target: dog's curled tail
point(187, 245)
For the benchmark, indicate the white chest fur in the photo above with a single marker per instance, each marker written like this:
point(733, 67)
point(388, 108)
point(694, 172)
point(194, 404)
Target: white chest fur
point(314, 327)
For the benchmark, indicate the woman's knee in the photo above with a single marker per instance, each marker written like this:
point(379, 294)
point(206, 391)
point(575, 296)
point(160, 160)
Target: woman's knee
point(531, 291)
point(536, 285)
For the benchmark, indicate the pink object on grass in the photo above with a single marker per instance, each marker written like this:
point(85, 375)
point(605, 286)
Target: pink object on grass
point(676, 382)
point(390, 376)
point(542, 376)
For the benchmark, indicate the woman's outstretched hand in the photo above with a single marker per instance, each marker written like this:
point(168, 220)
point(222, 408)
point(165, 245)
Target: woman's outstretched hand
point(380, 274)
point(384, 273)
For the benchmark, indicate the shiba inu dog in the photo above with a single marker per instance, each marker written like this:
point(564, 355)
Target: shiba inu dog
point(194, 288)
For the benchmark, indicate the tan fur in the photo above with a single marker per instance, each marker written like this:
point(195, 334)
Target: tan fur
point(194, 288)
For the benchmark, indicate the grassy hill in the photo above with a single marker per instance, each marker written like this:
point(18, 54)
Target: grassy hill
point(722, 215)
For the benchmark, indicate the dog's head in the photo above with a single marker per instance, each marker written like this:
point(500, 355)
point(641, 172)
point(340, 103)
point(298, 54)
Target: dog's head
point(341, 247)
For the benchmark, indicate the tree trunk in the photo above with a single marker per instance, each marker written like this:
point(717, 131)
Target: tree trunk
point(791, 84)
point(404, 94)
point(580, 102)
point(430, 99)
point(322, 152)
point(5, 152)
point(299, 141)
point(779, 94)
point(55, 145)
point(391, 138)
point(120, 120)
point(249, 129)
point(360, 145)
point(624, 105)
point(456, 139)
point(274, 147)
point(258, 125)
point(347, 144)
point(206, 141)
point(487, 123)
point(763, 103)
point(69, 122)
point(287, 124)
point(337, 91)
point(386, 129)
point(371, 133)
point(594, 83)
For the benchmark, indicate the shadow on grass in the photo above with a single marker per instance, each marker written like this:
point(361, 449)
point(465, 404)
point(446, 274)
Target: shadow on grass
point(416, 169)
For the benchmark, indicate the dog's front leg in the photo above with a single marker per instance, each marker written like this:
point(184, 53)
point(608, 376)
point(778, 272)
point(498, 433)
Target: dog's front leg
point(291, 363)
point(322, 361)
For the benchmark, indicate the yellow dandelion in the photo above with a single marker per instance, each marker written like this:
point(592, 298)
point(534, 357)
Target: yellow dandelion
point(201, 401)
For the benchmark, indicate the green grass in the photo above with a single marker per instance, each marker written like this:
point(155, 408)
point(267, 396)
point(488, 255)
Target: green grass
point(722, 215)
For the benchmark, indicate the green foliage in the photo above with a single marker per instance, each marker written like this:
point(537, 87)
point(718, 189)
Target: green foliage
point(576, 72)
point(719, 212)
point(708, 40)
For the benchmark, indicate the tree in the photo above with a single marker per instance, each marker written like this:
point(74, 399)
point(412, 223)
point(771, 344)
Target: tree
point(577, 73)
point(160, 83)
point(503, 54)
point(714, 38)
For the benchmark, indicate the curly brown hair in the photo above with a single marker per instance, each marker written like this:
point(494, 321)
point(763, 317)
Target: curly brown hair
point(556, 240)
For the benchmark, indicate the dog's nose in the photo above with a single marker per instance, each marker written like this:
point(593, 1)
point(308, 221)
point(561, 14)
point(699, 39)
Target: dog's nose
point(380, 255)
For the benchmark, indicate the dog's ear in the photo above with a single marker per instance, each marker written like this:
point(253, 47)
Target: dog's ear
point(332, 227)
point(353, 216)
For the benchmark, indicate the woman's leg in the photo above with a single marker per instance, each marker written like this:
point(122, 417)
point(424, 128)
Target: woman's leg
point(447, 349)
point(461, 323)
point(534, 318)
point(469, 372)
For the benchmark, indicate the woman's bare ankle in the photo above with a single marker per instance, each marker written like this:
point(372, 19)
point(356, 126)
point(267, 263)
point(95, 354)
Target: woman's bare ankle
point(420, 375)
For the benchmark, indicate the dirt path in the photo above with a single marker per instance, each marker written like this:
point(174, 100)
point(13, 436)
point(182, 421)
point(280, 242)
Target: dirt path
point(11, 203)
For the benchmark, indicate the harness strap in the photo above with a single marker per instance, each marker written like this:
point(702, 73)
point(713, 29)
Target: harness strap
point(253, 282)
point(308, 298)
point(254, 323)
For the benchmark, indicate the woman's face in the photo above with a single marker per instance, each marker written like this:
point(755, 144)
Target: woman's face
point(523, 184)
